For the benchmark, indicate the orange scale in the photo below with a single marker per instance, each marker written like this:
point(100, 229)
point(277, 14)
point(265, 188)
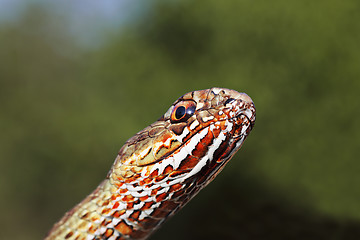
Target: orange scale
point(108, 233)
point(114, 196)
point(143, 198)
point(117, 214)
point(122, 191)
point(159, 178)
point(175, 187)
point(177, 173)
point(199, 151)
point(135, 215)
point(118, 184)
point(154, 191)
point(168, 169)
point(92, 229)
point(137, 176)
point(147, 205)
point(105, 222)
point(123, 228)
point(120, 179)
point(145, 181)
point(130, 205)
point(188, 163)
point(154, 174)
point(106, 202)
point(208, 139)
point(149, 185)
point(161, 197)
point(223, 125)
point(128, 198)
point(187, 137)
point(105, 211)
point(116, 205)
point(130, 179)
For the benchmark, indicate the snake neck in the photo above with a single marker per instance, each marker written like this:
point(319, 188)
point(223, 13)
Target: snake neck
point(107, 211)
point(162, 167)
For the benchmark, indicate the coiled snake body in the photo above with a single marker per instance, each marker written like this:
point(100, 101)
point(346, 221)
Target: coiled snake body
point(162, 167)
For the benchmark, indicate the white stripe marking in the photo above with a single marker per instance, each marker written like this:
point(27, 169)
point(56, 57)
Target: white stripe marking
point(194, 124)
point(183, 135)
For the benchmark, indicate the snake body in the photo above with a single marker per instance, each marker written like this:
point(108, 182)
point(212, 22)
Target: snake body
point(162, 167)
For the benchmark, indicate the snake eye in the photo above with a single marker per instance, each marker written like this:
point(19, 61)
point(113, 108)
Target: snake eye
point(180, 112)
point(183, 111)
point(229, 100)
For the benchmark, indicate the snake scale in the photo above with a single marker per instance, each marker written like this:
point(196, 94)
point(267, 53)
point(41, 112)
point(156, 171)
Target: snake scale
point(162, 167)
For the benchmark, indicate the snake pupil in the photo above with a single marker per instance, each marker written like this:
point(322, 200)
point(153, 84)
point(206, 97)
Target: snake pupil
point(180, 112)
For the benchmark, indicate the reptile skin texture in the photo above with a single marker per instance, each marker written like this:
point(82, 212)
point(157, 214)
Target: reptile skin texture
point(162, 167)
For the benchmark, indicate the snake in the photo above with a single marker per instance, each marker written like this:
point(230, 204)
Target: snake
point(162, 167)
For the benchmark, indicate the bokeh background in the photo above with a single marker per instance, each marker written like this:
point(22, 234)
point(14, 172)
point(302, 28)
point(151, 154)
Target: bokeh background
point(78, 78)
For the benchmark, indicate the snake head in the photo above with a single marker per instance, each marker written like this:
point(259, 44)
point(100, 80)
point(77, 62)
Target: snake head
point(199, 109)
point(221, 120)
point(200, 132)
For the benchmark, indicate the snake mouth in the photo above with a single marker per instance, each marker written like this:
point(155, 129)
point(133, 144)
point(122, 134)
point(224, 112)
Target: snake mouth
point(246, 128)
point(250, 118)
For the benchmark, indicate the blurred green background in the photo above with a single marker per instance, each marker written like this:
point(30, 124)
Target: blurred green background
point(75, 83)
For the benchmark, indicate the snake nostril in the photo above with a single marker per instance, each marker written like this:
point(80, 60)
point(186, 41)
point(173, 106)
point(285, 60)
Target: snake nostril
point(229, 100)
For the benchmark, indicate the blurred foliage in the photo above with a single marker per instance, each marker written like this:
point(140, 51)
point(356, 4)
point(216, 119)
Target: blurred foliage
point(65, 112)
